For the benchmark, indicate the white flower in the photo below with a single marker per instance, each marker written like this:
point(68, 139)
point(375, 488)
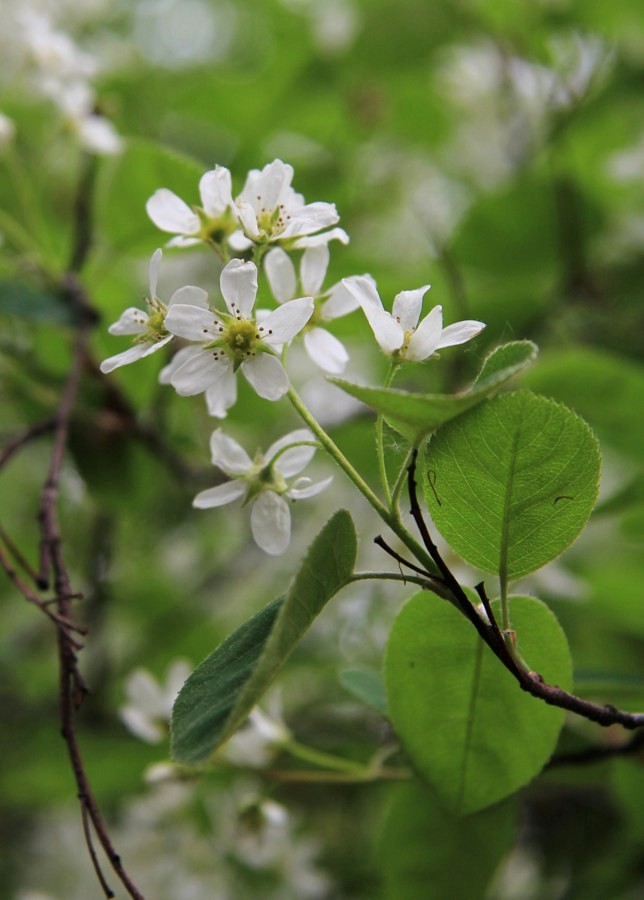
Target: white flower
point(150, 703)
point(324, 349)
point(234, 340)
point(398, 332)
point(213, 221)
point(257, 743)
point(270, 211)
point(149, 326)
point(263, 482)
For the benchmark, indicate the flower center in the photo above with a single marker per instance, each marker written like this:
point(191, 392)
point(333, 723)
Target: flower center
point(241, 340)
point(272, 222)
point(155, 324)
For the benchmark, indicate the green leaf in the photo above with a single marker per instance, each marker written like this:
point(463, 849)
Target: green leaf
point(127, 183)
point(415, 415)
point(367, 686)
point(220, 693)
point(422, 847)
point(512, 483)
point(467, 726)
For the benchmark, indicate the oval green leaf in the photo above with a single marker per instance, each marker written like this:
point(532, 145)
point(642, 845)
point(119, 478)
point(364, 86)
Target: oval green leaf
point(512, 483)
point(421, 847)
point(465, 723)
point(217, 697)
point(416, 415)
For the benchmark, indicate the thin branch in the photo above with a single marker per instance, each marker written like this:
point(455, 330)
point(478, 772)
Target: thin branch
point(72, 686)
point(380, 541)
point(531, 682)
point(635, 744)
point(25, 437)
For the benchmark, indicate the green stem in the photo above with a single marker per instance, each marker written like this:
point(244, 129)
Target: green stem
point(400, 482)
point(324, 760)
point(380, 446)
point(389, 517)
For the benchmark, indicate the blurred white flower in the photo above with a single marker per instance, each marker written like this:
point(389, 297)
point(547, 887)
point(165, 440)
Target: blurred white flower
point(149, 706)
point(260, 739)
point(58, 69)
point(324, 349)
point(263, 482)
point(399, 333)
point(149, 327)
point(234, 340)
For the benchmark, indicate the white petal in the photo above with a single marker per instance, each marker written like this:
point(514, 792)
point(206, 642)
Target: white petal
point(340, 302)
point(460, 332)
point(191, 296)
point(316, 240)
point(228, 455)
point(238, 284)
point(215, 189)
point(388, 332)
point(132, 321)
point(271, 185)
point(280, 272)
point(220, 495)
point(303, 488)
point(315, 262)
point(153, 271)
point(221, 395)
point(310, 218)
point(180, 241)
point(123, 359)
point(239, 242)
point(266, 374)
point(170, 213)
point(248, 218)
point(192, 323)
point(425, 339)
point(286, 321)
point(198, 373)
point(144, 692)
point(363, 289)
point(407, 307)
point(141, 725)
point(326, 351)
point(153, 346)
point(270, 523)
point(181, 356)
point(294, 459)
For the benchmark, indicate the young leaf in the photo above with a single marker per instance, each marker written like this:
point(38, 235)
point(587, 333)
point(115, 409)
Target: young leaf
point(422, 847)
point(416, 415)
point(221, 692)
point(467, 726)
point(512, 483)
point(367, 686)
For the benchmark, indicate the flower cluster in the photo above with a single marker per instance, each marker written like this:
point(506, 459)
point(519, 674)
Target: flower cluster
point(54, 67)
point(270, 221)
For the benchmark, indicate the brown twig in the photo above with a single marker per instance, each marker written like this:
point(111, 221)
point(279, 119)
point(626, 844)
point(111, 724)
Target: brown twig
point(25, 437)
point(531, 682)
point(72, 684)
